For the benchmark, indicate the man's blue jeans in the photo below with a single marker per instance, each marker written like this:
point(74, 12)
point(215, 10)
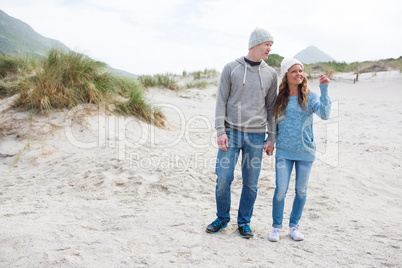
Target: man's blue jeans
point(283, 169)
point(251, 147)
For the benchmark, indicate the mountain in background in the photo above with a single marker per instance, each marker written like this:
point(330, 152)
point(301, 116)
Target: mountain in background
point(18, 37)
point(312, 54)
point(123, 73)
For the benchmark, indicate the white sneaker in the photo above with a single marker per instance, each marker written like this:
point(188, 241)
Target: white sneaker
point(295, 234)
point(274, 236)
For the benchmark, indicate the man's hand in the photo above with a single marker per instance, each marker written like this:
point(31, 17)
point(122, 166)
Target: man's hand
point(269, 148)
point(223, 142)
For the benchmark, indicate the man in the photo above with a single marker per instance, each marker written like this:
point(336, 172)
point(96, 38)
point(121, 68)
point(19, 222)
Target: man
point(244, 111)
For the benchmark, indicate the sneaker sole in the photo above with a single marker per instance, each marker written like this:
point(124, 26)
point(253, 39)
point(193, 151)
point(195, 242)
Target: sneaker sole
point(247, 236)
point(223, 227)
point(299, 239)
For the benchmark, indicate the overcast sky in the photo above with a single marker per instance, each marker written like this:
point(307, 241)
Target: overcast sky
point(160, 36)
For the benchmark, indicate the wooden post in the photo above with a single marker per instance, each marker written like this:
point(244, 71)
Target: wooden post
point(357, 73)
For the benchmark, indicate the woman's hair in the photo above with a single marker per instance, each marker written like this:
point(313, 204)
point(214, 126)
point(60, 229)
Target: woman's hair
point(283, 97)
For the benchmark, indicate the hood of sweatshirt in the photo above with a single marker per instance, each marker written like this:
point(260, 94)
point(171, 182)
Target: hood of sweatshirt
point(262, 65)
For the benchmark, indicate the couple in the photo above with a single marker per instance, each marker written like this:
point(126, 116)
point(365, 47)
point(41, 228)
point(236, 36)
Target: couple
point(247, 105)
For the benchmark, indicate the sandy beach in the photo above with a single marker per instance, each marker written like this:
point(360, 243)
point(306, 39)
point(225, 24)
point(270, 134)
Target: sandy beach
point(85, 188)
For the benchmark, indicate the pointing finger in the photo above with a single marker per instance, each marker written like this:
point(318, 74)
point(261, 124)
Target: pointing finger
point(330, 73)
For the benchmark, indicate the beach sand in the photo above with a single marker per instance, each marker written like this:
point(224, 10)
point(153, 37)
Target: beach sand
point(79, 190)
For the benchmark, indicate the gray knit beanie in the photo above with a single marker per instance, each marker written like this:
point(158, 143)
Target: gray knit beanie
point(287, 63)
point(259, 36)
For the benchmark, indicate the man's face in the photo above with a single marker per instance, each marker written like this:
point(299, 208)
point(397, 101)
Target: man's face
point(265, 49)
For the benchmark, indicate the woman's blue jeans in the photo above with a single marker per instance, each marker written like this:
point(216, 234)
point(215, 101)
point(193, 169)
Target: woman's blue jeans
point(283, 169)
point(251, 147)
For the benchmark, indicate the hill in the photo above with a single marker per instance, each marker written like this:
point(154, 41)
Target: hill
point(123, 73)
point(17, 36)
point(312, 54)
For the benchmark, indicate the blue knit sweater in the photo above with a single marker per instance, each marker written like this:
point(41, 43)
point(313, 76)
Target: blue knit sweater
point(295, 137)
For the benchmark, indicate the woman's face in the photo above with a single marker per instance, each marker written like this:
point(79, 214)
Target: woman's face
point(295, 75)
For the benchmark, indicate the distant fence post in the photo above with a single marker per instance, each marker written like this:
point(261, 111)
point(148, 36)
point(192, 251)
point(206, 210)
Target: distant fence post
point(357, 73)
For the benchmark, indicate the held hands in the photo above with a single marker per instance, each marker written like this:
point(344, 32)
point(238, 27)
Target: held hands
point(223, 144)
point(324, 79)
point(269, 148)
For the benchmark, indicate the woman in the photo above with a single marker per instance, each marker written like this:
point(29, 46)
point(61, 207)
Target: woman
point(295, 146)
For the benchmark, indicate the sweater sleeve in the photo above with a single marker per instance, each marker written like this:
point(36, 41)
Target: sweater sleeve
point(221, 100)
point(270, 102)
point(322, 106)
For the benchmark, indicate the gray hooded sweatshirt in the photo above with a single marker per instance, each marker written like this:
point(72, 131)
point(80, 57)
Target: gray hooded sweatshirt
point(246, 97)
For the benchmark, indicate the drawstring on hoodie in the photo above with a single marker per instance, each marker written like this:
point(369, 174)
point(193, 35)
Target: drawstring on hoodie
point(245, 73)
point(259, 74)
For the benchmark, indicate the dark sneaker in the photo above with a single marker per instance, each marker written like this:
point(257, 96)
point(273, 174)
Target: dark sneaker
point(245, 232)
point(215, 226)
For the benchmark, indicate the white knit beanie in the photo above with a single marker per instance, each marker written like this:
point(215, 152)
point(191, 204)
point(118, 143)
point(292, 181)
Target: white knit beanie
point(287, 63)
point(259, 36)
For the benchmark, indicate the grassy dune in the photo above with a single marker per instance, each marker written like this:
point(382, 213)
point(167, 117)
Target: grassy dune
point(274, 60)
point(66, 79)
point(361, 67)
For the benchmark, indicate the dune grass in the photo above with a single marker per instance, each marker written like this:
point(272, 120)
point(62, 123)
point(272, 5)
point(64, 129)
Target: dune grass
point(274, 60)
point(20, 64)
point(207, 73)
point(197, 84)
point(136, 103)
point(159, 80)
point(66, 79)
point(361, 67)
point(168, 80)
point(13, 70)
